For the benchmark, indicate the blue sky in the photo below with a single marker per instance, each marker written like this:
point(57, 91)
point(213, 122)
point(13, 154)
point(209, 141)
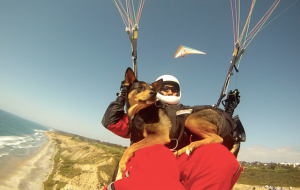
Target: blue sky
point(61, 64)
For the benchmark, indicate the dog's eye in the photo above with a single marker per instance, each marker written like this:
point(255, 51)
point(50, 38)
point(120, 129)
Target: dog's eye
point(140, 89)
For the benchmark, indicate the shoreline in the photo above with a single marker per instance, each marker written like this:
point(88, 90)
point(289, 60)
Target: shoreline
point(33, 171)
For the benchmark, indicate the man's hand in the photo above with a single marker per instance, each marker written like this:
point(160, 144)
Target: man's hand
point(123, 92)
point(232, 100)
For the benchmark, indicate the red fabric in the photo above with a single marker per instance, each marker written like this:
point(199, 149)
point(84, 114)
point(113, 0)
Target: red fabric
point(121, 127)
point(152, 168)
point(210, 166)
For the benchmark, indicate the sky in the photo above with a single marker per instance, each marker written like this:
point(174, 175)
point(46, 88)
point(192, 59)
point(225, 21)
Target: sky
point(62, 61)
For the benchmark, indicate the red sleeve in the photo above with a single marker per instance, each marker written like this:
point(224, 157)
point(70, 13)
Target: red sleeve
point(120, 128)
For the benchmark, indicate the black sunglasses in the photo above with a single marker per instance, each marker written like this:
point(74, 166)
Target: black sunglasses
point(168, 88)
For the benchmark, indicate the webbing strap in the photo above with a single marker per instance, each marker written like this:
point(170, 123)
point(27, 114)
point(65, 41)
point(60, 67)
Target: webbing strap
point(238, 169)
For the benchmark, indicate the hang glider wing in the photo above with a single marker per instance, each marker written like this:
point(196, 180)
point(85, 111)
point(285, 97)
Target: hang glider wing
point(183, 50)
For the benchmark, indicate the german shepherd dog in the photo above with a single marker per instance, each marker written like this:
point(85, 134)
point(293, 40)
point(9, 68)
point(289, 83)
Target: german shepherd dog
point(141, 95)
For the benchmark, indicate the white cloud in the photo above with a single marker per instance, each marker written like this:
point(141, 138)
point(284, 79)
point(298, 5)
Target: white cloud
point(266, 155)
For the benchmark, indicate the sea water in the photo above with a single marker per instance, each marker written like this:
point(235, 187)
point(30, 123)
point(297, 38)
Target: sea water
point(19, 138)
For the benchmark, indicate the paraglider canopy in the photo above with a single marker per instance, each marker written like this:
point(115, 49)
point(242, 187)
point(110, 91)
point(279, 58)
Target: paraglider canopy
point(183, 50)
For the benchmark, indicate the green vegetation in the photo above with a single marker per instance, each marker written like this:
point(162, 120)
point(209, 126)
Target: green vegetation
point(67, 169)
point(50, 183)
point(94, 142)
point(269, 174)
point(111, 150)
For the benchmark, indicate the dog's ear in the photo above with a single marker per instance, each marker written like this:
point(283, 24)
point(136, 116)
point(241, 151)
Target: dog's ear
point(157, 85)
point(129, 77)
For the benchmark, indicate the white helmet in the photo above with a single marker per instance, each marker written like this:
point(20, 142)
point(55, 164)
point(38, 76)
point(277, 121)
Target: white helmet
point(169, 79)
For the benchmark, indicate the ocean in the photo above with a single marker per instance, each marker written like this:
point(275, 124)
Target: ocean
point(19, 140)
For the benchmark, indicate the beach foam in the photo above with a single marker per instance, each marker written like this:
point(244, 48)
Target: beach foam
point(31, 173)
point(21, 145)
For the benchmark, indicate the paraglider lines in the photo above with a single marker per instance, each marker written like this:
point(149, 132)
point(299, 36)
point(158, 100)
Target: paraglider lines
point(245, 41)
point(246, 37)
point(260, 24)
point(128, 14)
point(131, 19)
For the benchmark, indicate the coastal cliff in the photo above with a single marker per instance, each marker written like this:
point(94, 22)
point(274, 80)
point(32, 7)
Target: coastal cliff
point(81, 163)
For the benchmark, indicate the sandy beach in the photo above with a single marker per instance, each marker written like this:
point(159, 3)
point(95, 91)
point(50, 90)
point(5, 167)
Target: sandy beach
point(31, 173)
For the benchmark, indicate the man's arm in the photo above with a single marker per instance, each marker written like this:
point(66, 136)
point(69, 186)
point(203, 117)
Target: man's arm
point(115, 118)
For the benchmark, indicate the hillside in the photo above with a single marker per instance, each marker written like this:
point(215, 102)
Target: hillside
point(275, 176)
point(82, 163)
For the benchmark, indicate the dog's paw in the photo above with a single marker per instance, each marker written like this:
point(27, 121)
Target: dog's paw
point(122, 168)
point(188, 151)
point(190, 148)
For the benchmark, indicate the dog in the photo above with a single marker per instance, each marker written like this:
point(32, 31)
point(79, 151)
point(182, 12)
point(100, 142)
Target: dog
point(142, 96)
